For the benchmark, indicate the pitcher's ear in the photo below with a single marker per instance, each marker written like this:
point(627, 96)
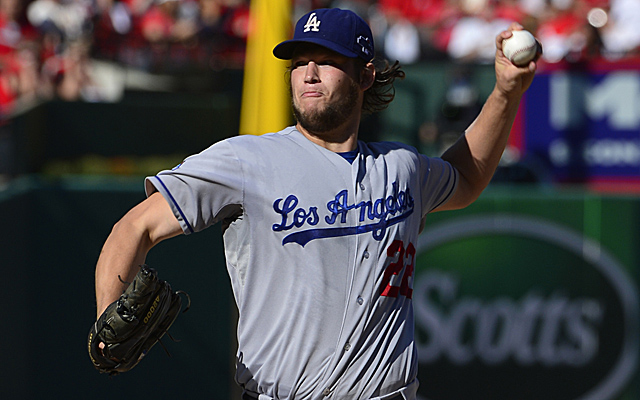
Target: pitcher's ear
point(367, 76)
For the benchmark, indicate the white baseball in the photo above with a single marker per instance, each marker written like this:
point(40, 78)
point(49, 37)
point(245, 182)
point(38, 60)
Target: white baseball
point(520, 48)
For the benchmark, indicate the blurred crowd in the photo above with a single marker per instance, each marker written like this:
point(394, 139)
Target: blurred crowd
point(47, 46)
point(465, 30)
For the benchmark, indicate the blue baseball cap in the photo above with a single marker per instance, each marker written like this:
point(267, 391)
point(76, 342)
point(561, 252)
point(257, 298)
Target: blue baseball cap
point(342, 31)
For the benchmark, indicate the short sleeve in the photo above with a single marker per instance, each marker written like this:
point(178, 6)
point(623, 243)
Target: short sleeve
point(438, 182)
point(204, 189)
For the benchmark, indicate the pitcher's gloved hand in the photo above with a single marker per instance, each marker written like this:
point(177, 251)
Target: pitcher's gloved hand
point(131, 325)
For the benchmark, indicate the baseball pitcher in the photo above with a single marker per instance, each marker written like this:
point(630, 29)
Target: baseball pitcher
point(319, 228)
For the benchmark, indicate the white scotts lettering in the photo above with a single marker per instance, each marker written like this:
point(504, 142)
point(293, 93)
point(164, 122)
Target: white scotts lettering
point(312, 24)
point(550, 331)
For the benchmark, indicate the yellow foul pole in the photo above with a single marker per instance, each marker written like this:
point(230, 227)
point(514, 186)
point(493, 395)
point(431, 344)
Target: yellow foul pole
point(265, 93)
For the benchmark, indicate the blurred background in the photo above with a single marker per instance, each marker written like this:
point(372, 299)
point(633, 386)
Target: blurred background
point(530, 293)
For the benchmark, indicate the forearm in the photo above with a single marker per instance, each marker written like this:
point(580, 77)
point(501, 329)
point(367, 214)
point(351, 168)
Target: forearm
point(485, 140)
point(124, 250)
point(127, 246)
point(477, 153)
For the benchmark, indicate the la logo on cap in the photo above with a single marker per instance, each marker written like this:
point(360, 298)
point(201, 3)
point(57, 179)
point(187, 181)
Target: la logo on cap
point(312, 24)
point(343, 32)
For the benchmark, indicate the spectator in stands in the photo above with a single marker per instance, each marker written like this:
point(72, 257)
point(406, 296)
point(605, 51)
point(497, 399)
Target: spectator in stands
point(40, 40)
point(236, 30)
point(14, 27)
point(432, 20)
point(222, 32)
point(70, 19)
point(210, 19)
point(511, 10)
point(620, 32)
point(166, 22)
point(18, 70)
point(402, 41)
point(169, 26)
point(472, 36)
point(112, 22)
point(563, 31)
point(69, 74)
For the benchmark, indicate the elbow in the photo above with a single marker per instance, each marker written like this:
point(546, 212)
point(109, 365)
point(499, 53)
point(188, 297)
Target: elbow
point(466, 194)
point(473, 196)
point(131, 228)
point(467, 199)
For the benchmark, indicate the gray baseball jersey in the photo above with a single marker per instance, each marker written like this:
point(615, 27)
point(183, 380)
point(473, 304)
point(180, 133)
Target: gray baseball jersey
point(320, 253)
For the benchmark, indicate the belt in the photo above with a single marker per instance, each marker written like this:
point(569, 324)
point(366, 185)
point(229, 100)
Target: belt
point(247, 396)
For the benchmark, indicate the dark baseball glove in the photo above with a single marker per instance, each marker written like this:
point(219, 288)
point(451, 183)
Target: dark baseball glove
point(131, 325)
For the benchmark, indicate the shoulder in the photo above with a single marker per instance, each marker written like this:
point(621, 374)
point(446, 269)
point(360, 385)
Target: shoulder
point(245, 148)
point(389, 149)
point(402, 154)
point(260, 140)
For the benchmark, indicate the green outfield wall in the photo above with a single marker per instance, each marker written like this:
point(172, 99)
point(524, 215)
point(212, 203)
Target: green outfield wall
point(51, 236)
point(530, 294)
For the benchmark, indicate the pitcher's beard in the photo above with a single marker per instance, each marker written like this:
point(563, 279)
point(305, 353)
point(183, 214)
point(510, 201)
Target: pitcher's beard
point(330, 117)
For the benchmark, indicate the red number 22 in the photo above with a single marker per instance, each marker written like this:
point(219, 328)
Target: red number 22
point(397, 248)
